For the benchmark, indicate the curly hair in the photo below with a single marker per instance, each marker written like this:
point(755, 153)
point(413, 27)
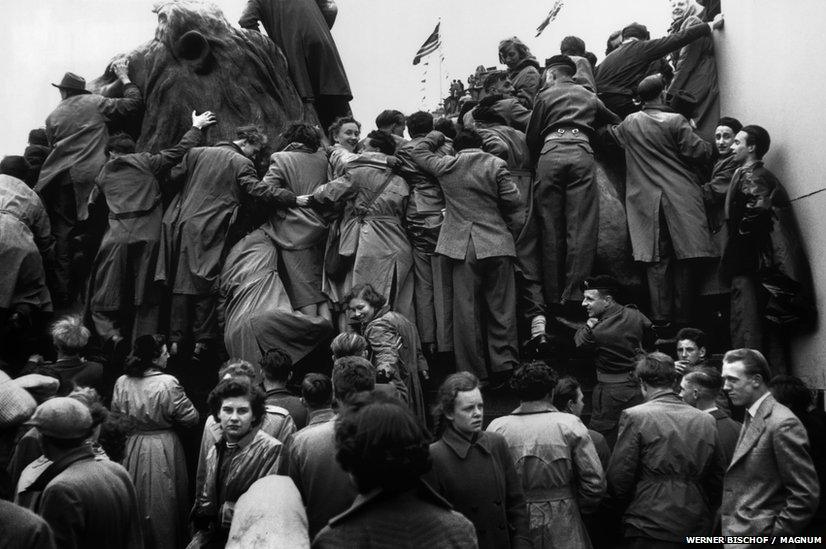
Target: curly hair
point(69, 334)
point(368, 294)
point(254, 135)
point(419, 123)
point(237, 367)
point(446, 397)
point(517, 44)
point(351, 375)
point(381, 444)
point(383, 141)
point(533, 381)
point(301, 132)
point(335, 127)
point(121, 143)
point(237, 387)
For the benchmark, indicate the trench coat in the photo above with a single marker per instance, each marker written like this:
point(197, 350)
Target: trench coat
point(526, 80)
point(479, 479)
point(77, 132)
point(270, 515)
point(89, 503)
point(667, 466)
point(257, 312)
point(695, 72)
point(661, 151)
point(129, 250)
point(372, 235)
point(560, 472)
point(154, 456)
point(200, 224)
point(394, 340)
point(25, 238)
point(298, 28)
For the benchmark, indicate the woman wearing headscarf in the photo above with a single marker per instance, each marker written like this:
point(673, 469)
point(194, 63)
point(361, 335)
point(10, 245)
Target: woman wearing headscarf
point(156, 403)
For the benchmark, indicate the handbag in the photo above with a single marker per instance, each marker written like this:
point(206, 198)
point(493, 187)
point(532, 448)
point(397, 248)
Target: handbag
point(336, 264)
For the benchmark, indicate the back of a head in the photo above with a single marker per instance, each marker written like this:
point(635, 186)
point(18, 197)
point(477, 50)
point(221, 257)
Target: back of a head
point(317, 390)
point(69, 335)
point(467, 139)
point(446, 126)
point(791, 392)
point(276, 365)
point(493, 78)
point(560, 65)
point(301, 132)
point(533, 381)
point(38, 136)
point(572, 45)
point(388, 118)
point(419, 123)
point(635, 30)
point(754, 363)
point(651, 87)
point(145, 350)
point(381, 444)
point(759, 137)
point(382, 141)
point(237, 367)
point(708, 380)
point(656, 370)
point(351, 375)
point(565, 392)
point(120, 143)
point(348, 344)
point(15, 166)
point(254, 135)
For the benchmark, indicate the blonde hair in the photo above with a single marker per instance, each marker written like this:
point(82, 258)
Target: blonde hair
point(69, 335)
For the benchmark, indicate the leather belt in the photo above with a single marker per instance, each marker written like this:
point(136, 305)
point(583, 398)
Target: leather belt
point(567, 133)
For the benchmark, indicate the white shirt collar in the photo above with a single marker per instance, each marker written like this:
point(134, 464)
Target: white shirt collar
point(753, 408)
point(710, 410)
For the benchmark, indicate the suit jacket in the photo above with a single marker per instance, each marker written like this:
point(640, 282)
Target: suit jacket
point(482, 200)
point(771, 487)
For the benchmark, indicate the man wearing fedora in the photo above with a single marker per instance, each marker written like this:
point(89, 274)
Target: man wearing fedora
point(77, 133)
point(86, 502)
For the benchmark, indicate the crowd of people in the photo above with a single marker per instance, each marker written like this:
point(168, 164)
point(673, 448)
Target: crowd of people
point(361, 283)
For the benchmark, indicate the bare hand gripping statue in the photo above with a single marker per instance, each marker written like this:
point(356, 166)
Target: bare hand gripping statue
point(197, 60)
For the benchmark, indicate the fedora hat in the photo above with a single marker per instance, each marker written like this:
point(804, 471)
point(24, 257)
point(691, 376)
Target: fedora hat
point(71, 81)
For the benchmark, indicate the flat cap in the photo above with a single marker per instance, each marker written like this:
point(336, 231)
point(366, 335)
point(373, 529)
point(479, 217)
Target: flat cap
point(63, 418)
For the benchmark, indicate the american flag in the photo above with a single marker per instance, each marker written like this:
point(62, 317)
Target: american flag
point(430, 45)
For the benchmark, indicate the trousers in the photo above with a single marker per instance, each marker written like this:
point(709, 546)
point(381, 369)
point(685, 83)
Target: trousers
point(670, 286)
point(433, 297)
point(194, 316)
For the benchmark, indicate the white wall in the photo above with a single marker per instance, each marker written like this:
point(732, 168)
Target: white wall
point(770, 63)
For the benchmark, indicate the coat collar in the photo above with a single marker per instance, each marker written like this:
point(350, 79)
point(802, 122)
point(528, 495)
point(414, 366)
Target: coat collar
point(422, 491)
point(321, 416)
point(461, 445)
point(749, 436)
point(469, 150)
point(82, 453)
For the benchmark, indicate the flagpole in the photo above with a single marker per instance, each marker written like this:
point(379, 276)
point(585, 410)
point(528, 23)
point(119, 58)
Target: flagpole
point(441, 96)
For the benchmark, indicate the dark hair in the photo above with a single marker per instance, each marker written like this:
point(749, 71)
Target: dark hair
point(15, 166)
point(708, 380)
point(791, 392)
point(367, 293)
point(754, 362)
point(254, 135)
point(380, 443)
point(446, 126)
point(114, 432)
point(351, 375)
point(38, 136)
point(759, 137)
point(446, 397)
point(419, 123)
point(144, 351)
point(301, 132)
point(635, 30)
point(692, 334)
point(389, 117)
point(120, 143)
point(517, 44)
point(237, 387)
point(492, 78)
point(487, 115)
point(533, 381)
point(90, 398)
point(592, 59)
point(730, 122)
point(276, 365)
point(317, 390)
point(656, 370)
point(650, 87)
point(335, 127)
point(383, 141)
point(609, 47)
point(348, 344)
point(572, 45)
point(467, 139)
point(565, 391)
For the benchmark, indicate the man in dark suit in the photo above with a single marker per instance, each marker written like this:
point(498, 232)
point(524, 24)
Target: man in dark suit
point(484, 212)
point(700, 388)
point(771, 486)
